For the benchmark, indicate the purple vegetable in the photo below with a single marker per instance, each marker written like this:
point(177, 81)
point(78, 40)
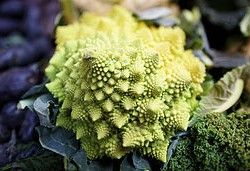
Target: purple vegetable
point(10, 116)
point(8, 25)
point(4, 156)
point(32, 24)
point(16, 81)
point(27, 53)
point(50, 10)
point(11, 8)
point(27, 131)
point(4, 133)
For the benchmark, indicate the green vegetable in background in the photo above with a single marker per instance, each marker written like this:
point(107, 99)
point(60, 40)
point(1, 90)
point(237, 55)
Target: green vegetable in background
point(219, 141)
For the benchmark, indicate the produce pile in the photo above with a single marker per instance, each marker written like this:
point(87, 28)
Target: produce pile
point(26, 40)
point(125, 89)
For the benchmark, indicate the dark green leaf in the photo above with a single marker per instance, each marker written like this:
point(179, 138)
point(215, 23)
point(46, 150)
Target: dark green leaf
point(195, 42)
point(58, 140)
point(127, 165)
point(100, 166)
point(35, 90)
point(175, 141)
point(46, 109)
point(80, 159)
point(140, 163)
point(172, 148)
point(69, 166)
point(43, 161)
point(63, 142)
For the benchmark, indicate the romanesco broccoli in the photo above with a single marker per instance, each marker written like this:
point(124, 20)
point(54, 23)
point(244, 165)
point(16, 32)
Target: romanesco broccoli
point(123, 85)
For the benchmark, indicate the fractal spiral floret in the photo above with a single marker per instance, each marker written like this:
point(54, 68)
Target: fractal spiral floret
point(123, 85)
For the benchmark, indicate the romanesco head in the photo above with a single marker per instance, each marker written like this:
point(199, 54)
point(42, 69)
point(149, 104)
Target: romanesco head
point(123, 85)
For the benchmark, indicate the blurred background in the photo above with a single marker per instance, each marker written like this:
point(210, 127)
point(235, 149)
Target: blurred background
point(218, 32)
point(26, 44)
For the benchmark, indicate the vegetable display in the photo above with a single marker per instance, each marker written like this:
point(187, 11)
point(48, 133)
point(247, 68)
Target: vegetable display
point(123, 85)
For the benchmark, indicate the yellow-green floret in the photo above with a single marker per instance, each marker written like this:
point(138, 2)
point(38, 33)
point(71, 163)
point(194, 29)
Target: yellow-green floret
point(123, 85)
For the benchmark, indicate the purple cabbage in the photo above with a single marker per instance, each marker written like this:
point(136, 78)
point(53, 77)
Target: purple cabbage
point(16, 81)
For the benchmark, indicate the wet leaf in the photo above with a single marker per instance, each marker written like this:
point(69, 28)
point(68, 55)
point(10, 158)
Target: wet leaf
point(63, 142)
point(46, 109)
point(22, 104)
point(140, 162)
point(35, 90)
point(127, 165)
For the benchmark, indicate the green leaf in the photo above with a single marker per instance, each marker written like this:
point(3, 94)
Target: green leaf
point(63, 142)
point(189, 20)
point(35, 90)
point(58, 140)
point(139, 162)
point(46, 109)
point(224, 94)
point(207, 85)
point(100, 166)
point(69, 11)
point(245, 24)
point(69, 166)
point(27, 100)
point(22, 104)
point(43, 161)
point(127, 165)
point(80, 159)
